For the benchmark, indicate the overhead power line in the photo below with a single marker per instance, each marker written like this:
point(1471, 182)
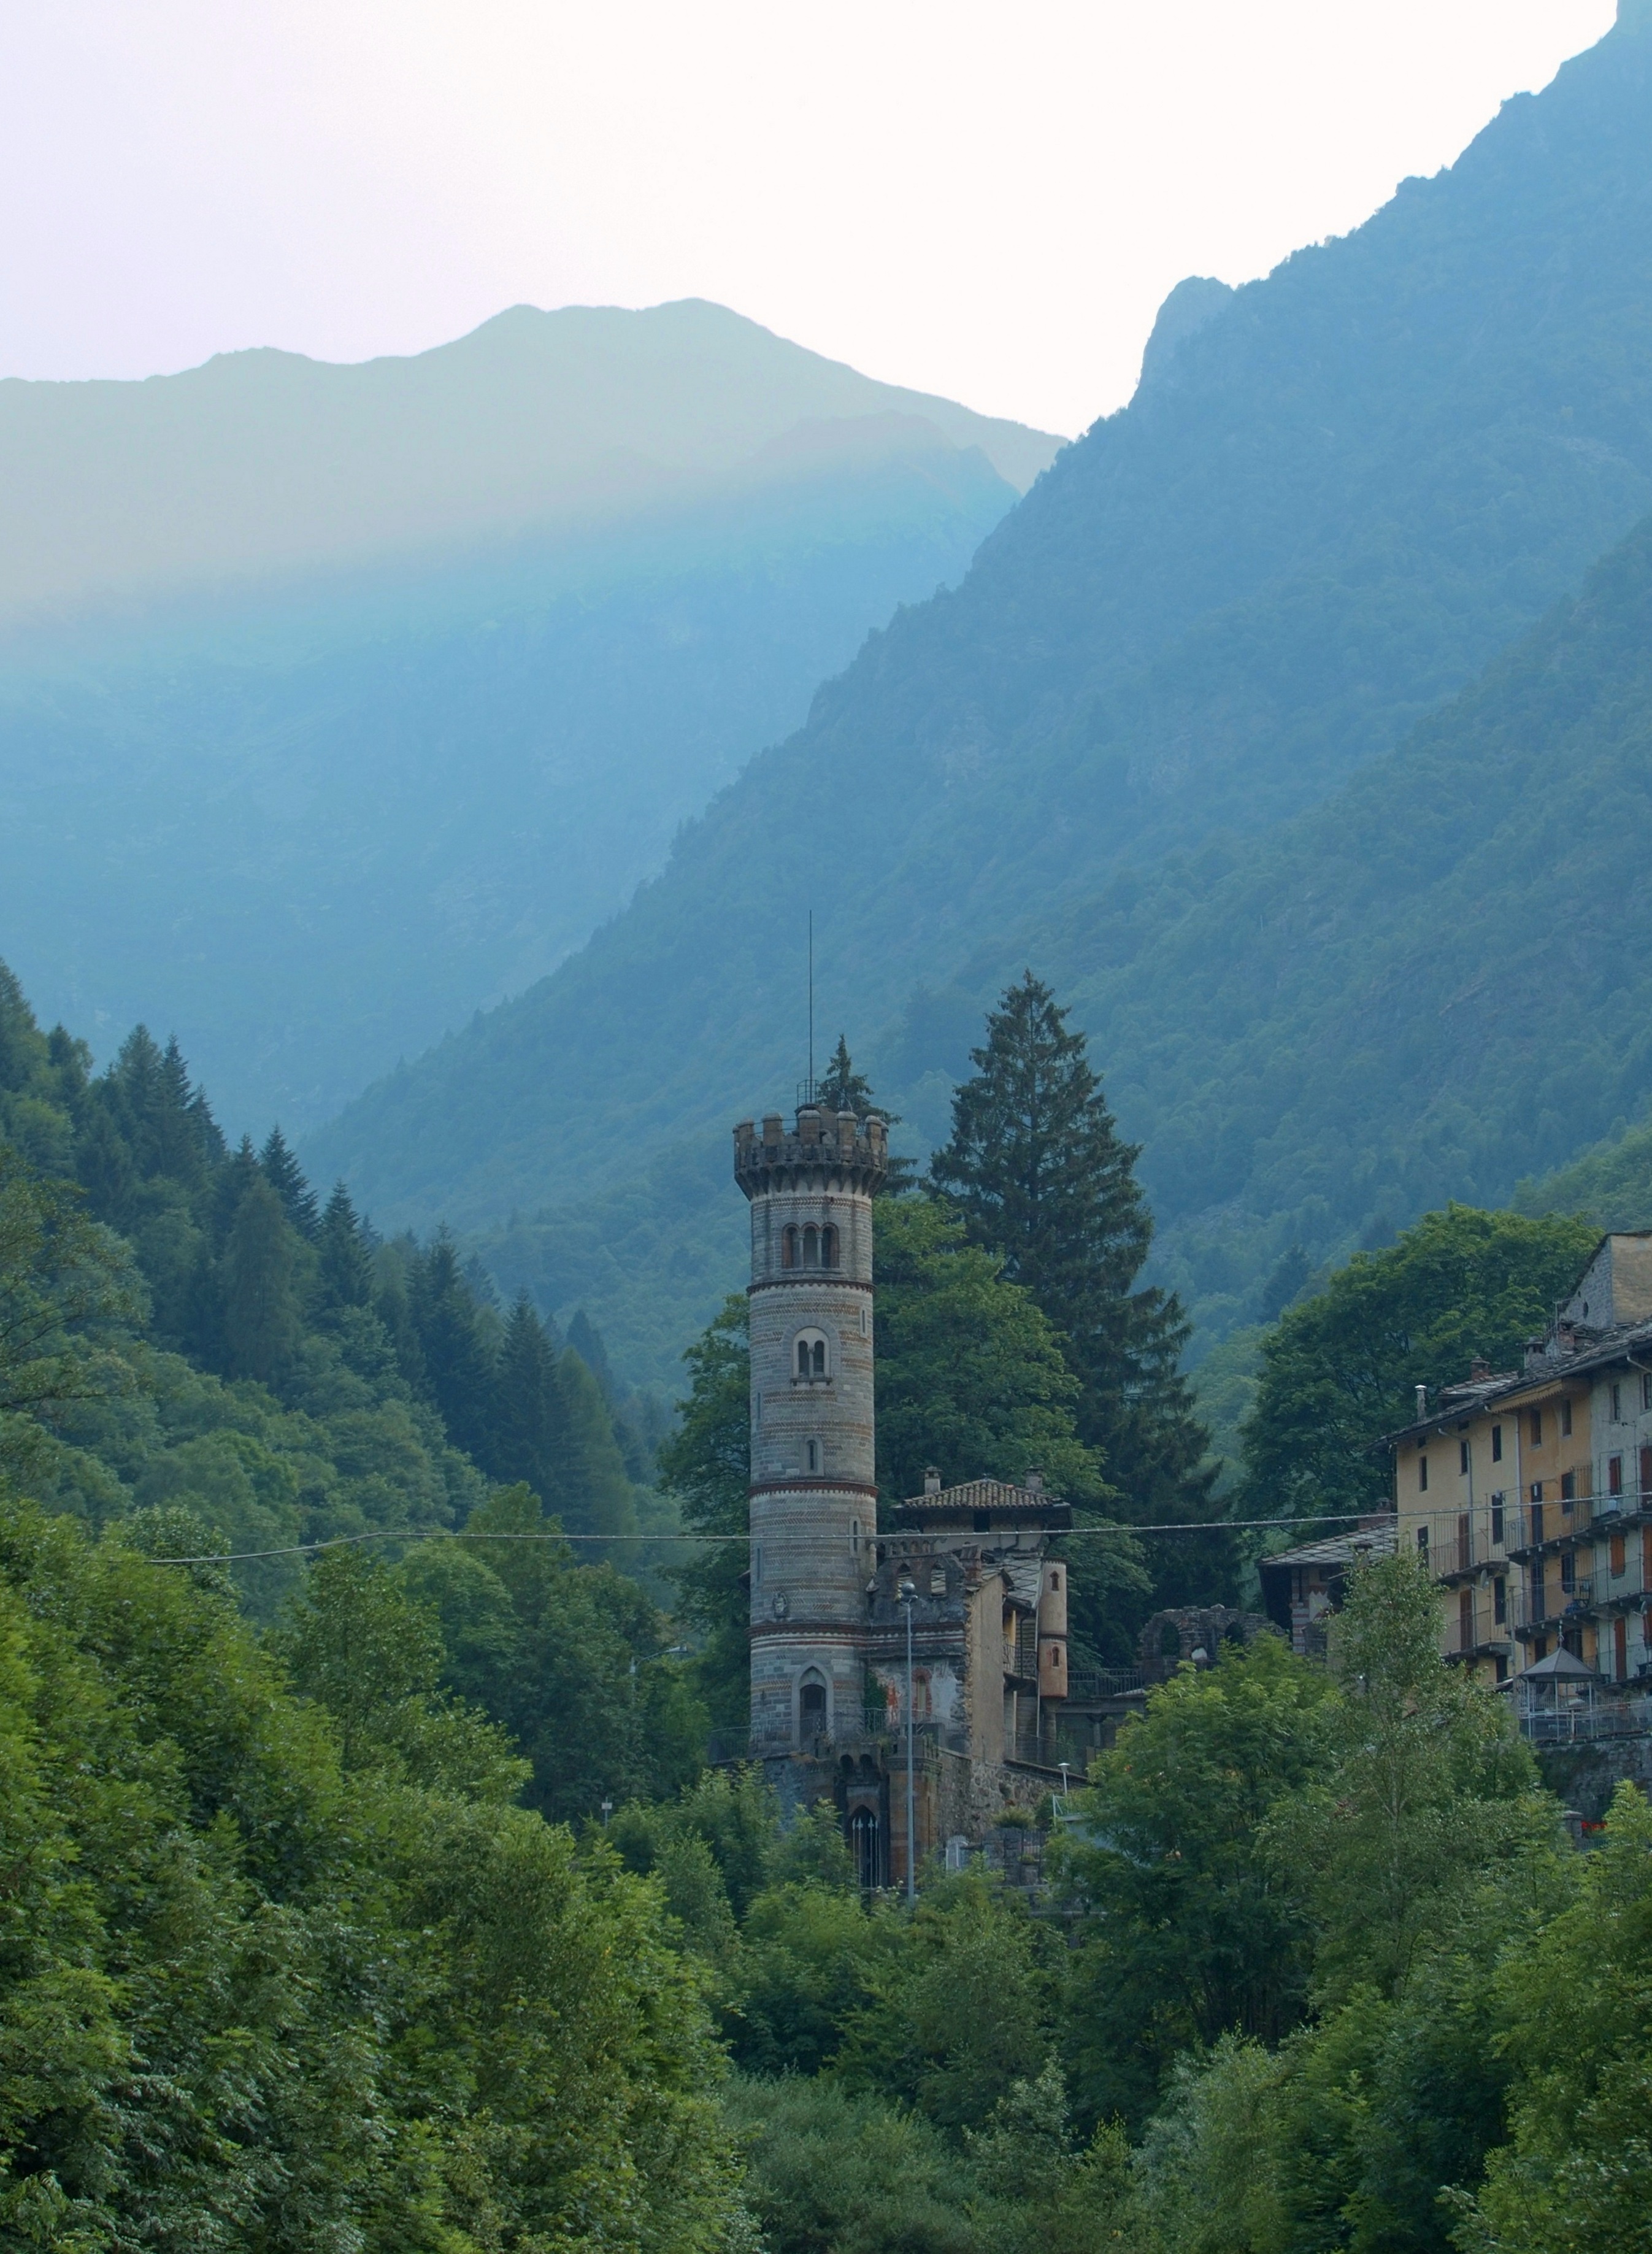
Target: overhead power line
point(447, 1534)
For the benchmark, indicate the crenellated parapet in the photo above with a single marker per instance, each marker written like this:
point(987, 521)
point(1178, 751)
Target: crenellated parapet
point(824, 1150)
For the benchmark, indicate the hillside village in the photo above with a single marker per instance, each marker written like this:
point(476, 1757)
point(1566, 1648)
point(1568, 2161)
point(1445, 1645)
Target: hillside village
point(826, 1402)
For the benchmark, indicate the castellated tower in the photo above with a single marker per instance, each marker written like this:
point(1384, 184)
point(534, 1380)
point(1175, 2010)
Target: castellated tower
point(814, 1497)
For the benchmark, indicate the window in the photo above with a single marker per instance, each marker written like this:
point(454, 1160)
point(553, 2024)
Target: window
point(811, 1247)
point(811, 1355)
point(1422, 1474)
point(1566, 1414)
point(1536, 1428)
point(1496, 1443)
point(1617, 1403)
point(1055, 1583)
point(1568, 1490)
point(865, 1324)
point(1462, 1458)
point(829, 1247)
point(1536, 1490)
point(1422, 1544)
point(854, 1538)
point(1497, 1518)
point(788, 1247)
point(1465, 1619)
point(1617, 1560)
point(1614, 1475)
point(811, 1451)
point(811, 1706)
point(1568, 1571)
point(1500, 1601)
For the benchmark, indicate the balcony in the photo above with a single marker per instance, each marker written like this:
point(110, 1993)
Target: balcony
point(1532, 1529)
point(1554, 1606)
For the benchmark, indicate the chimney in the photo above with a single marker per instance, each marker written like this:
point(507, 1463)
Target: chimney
point(931, 1479)
point(1480, 1367)
point(1034, 1482)
point(1422, 1403)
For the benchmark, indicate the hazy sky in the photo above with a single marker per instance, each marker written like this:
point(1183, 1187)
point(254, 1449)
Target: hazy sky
point(980, 199)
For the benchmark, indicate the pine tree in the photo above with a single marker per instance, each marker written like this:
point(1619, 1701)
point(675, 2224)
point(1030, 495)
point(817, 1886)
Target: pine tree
point(457, 1354)
point(345, 1260)
point(527, 1405)
point(846, 1089)
point(1036, 1166)
point(260, 1320)
point(592, 1492)
point(285, 1176)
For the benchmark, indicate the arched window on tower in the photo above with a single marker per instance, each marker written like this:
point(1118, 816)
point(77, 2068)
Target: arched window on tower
point(829, 1247)
point(811, 1355)
point(811, 1707)
point(788, 1247)
point(811, 1247)
point(812, 1455)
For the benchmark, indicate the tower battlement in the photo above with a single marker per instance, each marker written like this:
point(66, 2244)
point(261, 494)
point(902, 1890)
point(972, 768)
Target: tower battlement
point(821, 1144)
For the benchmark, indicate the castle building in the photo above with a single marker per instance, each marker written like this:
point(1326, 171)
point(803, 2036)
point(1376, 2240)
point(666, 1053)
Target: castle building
point(832, 1589)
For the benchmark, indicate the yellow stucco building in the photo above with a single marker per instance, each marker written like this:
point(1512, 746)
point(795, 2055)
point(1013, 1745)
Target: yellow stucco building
point(1529, 1492)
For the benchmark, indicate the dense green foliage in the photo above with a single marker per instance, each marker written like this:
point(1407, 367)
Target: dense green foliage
point(1342, 1368)
point(1327, 510)
point(288, 1974)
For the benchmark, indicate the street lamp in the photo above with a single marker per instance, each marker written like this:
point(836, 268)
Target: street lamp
point(908, 1595)
point(608, 1810)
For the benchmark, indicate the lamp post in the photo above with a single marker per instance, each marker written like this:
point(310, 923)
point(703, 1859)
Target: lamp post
point(908, 1594)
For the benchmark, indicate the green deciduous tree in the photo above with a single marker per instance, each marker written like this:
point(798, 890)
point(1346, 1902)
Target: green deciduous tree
point(1189, 1931)
point(1576, 2028)
point(1342, 1367)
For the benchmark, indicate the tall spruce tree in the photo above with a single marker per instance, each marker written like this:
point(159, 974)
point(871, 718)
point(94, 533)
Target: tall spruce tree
point(344, 1263)
point(1036, 1166)
point(454, 1346)
point(527, 1405)
point(260, 1321)
point(285, 1176)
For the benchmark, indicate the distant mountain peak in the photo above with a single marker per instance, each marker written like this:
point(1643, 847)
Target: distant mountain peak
point(1189, 305)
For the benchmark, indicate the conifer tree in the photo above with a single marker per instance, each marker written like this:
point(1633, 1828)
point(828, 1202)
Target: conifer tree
point(528, 1404)
point(844, 1088)
point(456, 1352)
point(592, 1491)
point(285, 1176)
point(259, 1322)
point(344, 1262)
point(1036, 1166)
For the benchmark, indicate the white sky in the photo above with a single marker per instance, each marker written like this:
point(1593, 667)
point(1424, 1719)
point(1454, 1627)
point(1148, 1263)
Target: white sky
point(983, 200)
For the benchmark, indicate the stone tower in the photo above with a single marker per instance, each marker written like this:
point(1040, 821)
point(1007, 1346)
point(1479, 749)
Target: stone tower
point(814, 1498)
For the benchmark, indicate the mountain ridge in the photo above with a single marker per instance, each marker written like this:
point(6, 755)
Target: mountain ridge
point(1205, 616)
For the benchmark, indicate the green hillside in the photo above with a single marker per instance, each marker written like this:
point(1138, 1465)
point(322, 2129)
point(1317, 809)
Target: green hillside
point(1326, 509)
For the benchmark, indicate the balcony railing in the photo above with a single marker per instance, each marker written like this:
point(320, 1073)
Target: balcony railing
point(1090, 1685)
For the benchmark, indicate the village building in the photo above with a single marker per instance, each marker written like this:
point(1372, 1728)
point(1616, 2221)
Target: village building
point(963, 1578)
point(1529, 1493)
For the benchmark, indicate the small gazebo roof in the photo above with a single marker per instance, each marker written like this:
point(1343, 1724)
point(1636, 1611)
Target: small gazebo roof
point(1561, 1666)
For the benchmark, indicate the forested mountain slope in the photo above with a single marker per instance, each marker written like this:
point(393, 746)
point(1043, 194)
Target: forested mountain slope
point(1328, 507)
point(336, 702)
point(1429, 987)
